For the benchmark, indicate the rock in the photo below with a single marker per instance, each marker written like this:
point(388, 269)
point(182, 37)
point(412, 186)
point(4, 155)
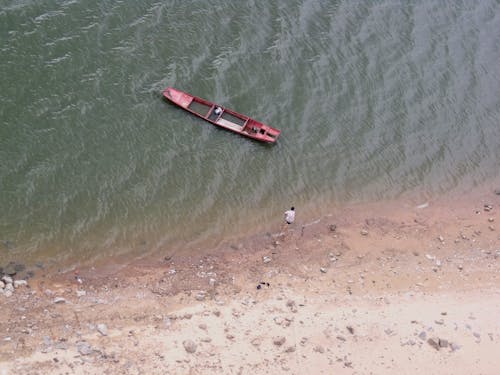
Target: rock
point(291, 304)
point(59, 300)
point(341, 338)
point(81, 293)
point(434, 342)
point(440, 321)
point(364, 232)
point(10, 269)
point(7, 279)
point(200, 296)
point(333, 227)
point(266, 259)
point(319, 349)
point(290, 349)
point(9, 288)
point(2, 284)
point(323, 269)
point(441, 239)
point(422, 335)
point(350, 329)
point(278, 341)
point(443, 343)
point(189, 346)
point(19, 283)
point(488, 207)
point(84, 348)
point(7, 293)
point(497, 191)
point(454, 347)
point(102, 329)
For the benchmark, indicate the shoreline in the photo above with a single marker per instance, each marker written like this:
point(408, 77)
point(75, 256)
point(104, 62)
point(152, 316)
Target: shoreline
point(371, 288)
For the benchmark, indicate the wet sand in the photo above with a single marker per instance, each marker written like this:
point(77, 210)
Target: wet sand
point(382, 288)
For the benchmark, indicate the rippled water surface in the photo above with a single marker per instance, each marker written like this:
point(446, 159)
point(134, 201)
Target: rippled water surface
point(374, 99)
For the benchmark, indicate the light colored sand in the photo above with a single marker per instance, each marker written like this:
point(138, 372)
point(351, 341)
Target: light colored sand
point(364, 298)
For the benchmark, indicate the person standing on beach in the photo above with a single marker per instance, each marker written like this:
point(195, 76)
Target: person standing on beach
point(290, 215)
point(289, 219)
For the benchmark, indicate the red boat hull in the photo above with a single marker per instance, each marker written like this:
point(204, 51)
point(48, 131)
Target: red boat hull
point(222, 117)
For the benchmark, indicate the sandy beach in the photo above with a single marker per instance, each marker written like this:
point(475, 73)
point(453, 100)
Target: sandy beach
point(383, 288)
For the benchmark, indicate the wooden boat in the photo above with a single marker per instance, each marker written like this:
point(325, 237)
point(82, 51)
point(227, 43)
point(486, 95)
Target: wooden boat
point(223, 117)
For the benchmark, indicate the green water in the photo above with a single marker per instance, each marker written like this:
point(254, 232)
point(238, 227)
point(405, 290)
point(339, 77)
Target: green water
point(374, 99)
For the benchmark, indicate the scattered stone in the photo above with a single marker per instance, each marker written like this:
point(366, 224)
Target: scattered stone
point(341, 338)
point(422, 335)
point(323, 269)
point(434, 342)
point(440, 321)
point(491, 220)
point(290, 349)
point(454, 347)
point(2, 284)
point(443, 343)
point(81, 293)
point(460, 267)
point(350, 329)
point(430, 257)
point(266, 259)
point(203, 326)
point(291, 304)
point(488, 207)
point(441, 239)
point(59, 300)
point(10, 269)
point(9, 288)
point(319, 349)
point(200, 296)
point(83, 348)
point(497, 191)
point(364, 232)
point(19, 283)
point(102, 329)
point(278, 341)
point(333, 227)
point(7, 279)
point(189, 346)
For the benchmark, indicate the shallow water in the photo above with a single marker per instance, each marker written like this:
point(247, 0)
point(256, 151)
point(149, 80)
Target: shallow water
point(374, 100)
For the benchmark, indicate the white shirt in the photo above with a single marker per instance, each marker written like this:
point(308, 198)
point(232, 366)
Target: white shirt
point(290, 216)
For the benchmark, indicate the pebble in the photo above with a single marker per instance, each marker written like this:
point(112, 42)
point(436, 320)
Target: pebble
point(189, 346)
point(7, 279)
point(83, 348)
point(200, 296)
point(266, 259)
point(81, 293)
point(59, 300)
point(323, 269)
point(364, 232)
point(18, 283)
point(102, 329)
point(319, 349)
point(278, 341)
point(434, 342)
